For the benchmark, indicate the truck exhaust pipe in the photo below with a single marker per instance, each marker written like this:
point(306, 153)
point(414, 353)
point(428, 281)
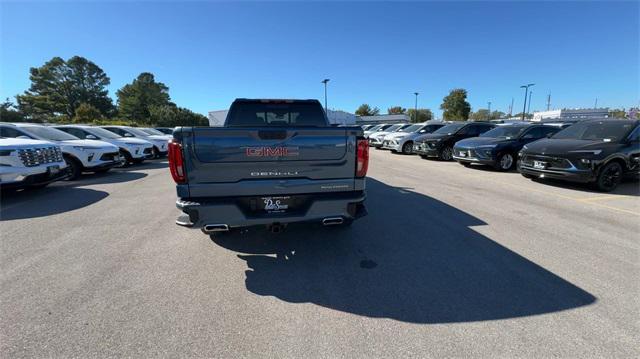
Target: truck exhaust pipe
point(332, 221)
point(211, 228)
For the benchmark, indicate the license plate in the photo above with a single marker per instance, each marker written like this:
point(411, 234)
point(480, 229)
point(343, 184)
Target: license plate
point(53, 170)
point(539, 164)
point(278, 204)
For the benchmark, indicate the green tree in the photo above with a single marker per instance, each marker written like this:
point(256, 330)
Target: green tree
point(617, 113)
point(86, 113)
point(9, 112)
point(136, 99)
point(58, 87)
point(480, 115)
point(424, 114)
point(455, 106)
point(396, 110)
point(171, 116)
point(366, 110)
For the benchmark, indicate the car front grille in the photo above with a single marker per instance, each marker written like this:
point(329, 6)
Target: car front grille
point(38, 156)
point(109, 156)
point(554, 162)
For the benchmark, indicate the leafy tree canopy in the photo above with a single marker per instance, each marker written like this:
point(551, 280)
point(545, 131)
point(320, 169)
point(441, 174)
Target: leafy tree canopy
point(424, 114)
point(58, 87)
point(171, 116)
point(86, 113)
point(136, 99)
point(455, 106)
point(396, 110)
point(366, 110)
point(9, 112)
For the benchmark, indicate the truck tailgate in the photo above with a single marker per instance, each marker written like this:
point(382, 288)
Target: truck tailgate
point(258, 161)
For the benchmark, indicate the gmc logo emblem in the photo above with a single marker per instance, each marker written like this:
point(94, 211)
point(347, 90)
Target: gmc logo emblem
point(271, 151)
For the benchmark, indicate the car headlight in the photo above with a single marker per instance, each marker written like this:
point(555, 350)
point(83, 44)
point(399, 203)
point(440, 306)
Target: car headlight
point(524, 147)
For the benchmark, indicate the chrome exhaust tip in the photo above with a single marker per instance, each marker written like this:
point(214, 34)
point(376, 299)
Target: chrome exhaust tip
point(332, 221)
point(211, 228)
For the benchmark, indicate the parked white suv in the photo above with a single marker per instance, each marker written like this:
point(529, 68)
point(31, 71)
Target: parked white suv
point(30, 163)
point(132, 150)
point(160, 142)
point(80, 155)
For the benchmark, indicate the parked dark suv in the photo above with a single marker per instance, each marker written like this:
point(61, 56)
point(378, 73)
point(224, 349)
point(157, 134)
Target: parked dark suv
point(499, 147)
point(591, 151)
point(440, 143)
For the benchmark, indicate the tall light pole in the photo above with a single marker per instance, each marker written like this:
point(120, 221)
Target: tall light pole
point(526, 90)
point(325, 81)
point(511, 108)
point(416, 107)
point(529, 105)
point(489, 108)
point(596, 105)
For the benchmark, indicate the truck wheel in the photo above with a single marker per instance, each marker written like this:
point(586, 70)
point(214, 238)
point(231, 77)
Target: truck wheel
point(407, 148)
point(505, 162)
point(446, 154)
point(609, 177)
point(74, 168)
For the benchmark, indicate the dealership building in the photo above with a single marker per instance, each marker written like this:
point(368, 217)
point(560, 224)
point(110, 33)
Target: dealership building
point(570, 114)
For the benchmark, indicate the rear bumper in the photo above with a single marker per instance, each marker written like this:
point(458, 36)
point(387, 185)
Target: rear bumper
point(574, 175)
point(229, 211)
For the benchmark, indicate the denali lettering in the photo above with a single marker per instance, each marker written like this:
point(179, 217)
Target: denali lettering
point(274, 173)
point(271, 151)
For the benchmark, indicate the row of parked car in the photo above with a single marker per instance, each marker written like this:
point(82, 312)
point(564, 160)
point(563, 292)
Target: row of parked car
point(597, 151)
point(34, 155)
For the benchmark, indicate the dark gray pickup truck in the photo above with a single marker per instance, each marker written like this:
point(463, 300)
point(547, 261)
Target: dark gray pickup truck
point(274, 162)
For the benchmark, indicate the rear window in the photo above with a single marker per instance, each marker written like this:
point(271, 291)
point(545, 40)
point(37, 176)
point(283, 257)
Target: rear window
point(258, 114)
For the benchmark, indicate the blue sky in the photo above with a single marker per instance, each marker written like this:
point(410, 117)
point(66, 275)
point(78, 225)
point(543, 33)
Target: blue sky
point(209, 53)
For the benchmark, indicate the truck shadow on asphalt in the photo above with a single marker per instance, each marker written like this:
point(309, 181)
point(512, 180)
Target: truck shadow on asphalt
point(59, 197)
point(413, 259)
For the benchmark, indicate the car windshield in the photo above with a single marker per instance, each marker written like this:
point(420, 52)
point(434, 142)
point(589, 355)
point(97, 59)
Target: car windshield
point(374, 128)
point(606, 131)
point(102, 133)
point(412, 128)
point(393, 128)
point(137, 132)
point(504, 132)
point(450, 129)
point(49, 133)
point(152, 131)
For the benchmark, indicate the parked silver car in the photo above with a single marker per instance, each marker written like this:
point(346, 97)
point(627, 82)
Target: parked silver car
point(375, 139)
point(402, 141)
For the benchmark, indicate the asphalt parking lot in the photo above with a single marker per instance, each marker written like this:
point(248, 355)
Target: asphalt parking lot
point(450, 262)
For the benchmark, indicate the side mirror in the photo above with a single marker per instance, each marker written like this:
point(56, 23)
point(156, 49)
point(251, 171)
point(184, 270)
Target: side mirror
point(127, 134)
point(23, 137)
point(90, 137)
point(423, 131)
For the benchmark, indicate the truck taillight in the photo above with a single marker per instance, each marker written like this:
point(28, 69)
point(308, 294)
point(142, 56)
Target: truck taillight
point(362, 158)
point(176, 162)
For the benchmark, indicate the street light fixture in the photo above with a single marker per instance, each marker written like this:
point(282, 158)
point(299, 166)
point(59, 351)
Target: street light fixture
point(416, 108)
point(526, 90)
point(325, 81)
